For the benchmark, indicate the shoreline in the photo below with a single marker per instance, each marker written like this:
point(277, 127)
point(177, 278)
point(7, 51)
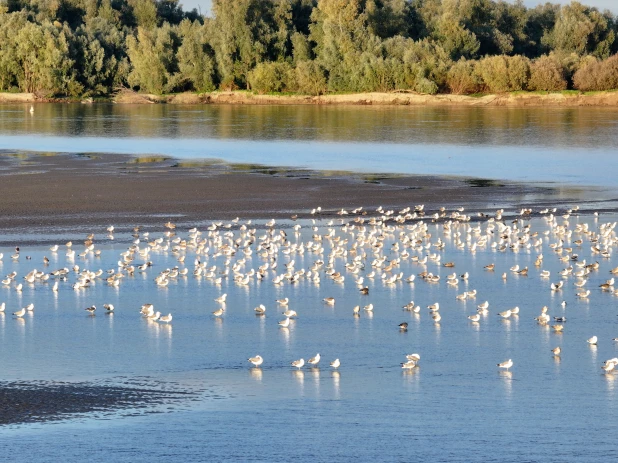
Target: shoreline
point(517, 99)
point(79, 193)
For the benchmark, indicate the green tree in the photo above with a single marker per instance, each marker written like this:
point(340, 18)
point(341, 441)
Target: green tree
point(243, 34)
point(195, 62)
point(582, 30)
point(152, 54)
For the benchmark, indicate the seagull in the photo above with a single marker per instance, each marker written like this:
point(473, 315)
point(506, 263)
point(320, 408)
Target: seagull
point(285, 323)
point(218, 312)
point(335, 363)
point(506, 365)
point(108, 307)
point(221, 298)
point(556, 351)
point(329, 300)
point(260, 310)
point(91, 309)
point(166, 319)
point(592, 341)
point(413, 357)
point(475, 317)
point(403, 326)
point(284, 301)
point(408, 365)
point(314, 360)
point(609, 366)
point(20, 313)
point(298, 363)
point(256, 361)
point(290, 313)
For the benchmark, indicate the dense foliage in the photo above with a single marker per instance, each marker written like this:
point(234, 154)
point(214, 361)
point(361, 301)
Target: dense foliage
point(93, 47)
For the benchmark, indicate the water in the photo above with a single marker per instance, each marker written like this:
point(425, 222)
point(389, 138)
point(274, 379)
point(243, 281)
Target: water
point(559, 145)
point(456, 406)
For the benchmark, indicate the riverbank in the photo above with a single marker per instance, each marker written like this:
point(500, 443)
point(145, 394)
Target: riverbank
point(66, 193)
point(516, 99)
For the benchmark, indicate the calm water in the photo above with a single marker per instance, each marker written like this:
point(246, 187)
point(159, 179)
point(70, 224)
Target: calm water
point(572, 145)
point(456, 406)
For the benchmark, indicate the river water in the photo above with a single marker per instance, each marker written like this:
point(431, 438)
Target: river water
point(457, 405)
point(551, 145)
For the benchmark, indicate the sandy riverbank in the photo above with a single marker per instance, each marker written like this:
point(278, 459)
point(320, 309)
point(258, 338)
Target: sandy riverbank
point(67, 192)
point(601, 99)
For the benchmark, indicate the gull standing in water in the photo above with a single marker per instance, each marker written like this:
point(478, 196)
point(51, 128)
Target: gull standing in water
point(506, 365)
point(256, 361)
point(298, 363)
point(335, 363)
point(20, 313)
point(314, 360)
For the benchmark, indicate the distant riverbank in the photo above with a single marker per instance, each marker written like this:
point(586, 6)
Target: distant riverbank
point(567, 98)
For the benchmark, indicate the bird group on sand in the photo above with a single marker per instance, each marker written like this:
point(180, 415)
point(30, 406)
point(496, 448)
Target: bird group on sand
point(366, 249)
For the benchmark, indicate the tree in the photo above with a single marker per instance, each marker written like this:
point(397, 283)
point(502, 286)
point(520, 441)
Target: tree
point(243, 34)
point(153, 60)
point(580, 29)
point(195, 62)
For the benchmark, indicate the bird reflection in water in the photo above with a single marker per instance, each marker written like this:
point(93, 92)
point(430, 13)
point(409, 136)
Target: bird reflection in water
point(507, 380)
point(315, 374)
point(336, 383)
point(285, 332)
point(299, 375)
point(256, 374)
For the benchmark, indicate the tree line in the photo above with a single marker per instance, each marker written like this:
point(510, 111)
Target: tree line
point(94, 47)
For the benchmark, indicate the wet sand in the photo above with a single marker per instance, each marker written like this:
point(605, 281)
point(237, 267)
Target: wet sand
point(43, 192)
point(39, 401)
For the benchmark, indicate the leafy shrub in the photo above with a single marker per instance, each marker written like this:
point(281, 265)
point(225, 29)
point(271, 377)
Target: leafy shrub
point(601, 75)
point(270, 77)
point(504, 73)
point(547, 74)
point(310, 78)
point(462, 78)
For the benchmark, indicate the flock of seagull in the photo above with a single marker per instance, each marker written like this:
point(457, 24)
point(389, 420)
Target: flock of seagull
point(357, 238)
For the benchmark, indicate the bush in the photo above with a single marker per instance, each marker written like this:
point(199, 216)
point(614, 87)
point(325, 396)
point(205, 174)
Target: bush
point(601, 75)
point(310, 78)
point(462, 78)
point(504, 73)
point(270, 77)
point(547, 74)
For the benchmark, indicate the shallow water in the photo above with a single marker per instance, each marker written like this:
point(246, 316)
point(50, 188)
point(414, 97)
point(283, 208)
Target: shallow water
point(558, 145)
point(456, 406)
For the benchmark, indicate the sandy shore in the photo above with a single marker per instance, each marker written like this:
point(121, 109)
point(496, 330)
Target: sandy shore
point(601, 99)
point(69, 192)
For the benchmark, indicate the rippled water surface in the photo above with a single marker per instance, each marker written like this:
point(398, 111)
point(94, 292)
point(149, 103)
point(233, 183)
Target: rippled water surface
point(455, 406)
point(563, 145)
